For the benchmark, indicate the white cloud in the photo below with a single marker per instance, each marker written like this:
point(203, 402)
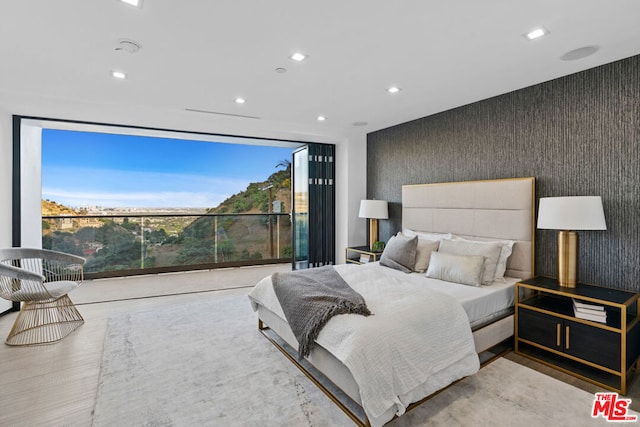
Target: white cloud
point(134, 199)
point(110, 188)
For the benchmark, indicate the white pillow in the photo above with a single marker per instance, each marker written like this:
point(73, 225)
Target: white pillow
point(424, 235)
point(489, 250)
point(505, 253)
point(465, 269)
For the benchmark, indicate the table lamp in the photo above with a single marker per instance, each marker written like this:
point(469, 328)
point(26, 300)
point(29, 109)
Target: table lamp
point(567, 214)
point(374, 210)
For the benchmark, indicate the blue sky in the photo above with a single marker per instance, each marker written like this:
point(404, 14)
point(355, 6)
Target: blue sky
point(108, 170)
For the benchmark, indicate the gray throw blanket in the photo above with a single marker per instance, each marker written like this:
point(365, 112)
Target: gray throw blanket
point(309, 298)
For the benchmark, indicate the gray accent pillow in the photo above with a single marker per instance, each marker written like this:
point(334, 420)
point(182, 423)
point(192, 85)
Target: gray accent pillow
point(465, 269)
point(423, 251)
point(423, 254)
point(400, 253)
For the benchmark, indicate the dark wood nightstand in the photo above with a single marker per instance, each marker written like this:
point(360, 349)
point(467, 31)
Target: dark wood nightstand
point(361, 255)
point(547, 330)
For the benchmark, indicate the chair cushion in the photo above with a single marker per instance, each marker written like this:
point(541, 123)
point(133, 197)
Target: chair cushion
point(61, 288)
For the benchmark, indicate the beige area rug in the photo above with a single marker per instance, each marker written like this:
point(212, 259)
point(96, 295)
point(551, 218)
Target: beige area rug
point(206, 364)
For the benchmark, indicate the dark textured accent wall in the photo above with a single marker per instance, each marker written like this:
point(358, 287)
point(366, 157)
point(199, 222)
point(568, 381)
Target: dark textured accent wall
point(577, 135)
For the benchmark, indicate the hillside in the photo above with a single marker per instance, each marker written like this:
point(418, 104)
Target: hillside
point(50, 208)
point(114, 244)
point(255, 199)
point(241, 237)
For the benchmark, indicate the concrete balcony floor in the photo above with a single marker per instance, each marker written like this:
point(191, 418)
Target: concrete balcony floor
point(165, 284)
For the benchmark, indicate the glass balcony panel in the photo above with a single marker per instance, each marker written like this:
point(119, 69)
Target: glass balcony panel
point(138, 244)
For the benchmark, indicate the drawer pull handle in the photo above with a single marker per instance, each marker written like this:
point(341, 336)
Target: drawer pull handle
point(558, 335)
point(567, 338)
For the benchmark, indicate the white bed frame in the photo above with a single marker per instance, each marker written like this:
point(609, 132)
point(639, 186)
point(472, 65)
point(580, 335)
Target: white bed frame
point(492, 209)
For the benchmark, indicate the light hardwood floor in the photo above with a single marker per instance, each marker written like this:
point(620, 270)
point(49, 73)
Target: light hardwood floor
point(55, 385)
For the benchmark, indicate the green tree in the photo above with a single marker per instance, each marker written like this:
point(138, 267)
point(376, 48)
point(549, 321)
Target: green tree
point(131, 226)
point(47, 241)
point(284, 163)
point(156, 236)
point(64, 242)
point(226, 249)
point(120, 250)
point(195, 251)
point(86, 234)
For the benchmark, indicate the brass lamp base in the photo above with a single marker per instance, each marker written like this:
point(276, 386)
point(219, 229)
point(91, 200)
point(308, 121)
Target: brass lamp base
point(373, 232)
point(567, 258)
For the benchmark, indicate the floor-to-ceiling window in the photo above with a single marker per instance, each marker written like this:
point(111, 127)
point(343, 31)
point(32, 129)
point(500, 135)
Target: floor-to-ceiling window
point(137, 200)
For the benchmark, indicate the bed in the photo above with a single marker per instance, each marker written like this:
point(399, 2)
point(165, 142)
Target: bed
point(461, 322)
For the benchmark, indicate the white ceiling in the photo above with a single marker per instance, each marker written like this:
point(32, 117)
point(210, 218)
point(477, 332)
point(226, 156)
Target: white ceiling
point(56, 57)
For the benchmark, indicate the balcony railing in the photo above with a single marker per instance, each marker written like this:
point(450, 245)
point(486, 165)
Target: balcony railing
point(126, 245)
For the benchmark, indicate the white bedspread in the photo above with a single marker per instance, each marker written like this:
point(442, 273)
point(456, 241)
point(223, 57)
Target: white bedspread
point(480, 302)
point(416, 342)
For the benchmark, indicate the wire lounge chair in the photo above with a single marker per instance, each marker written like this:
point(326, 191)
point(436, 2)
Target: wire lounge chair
point(41, 280)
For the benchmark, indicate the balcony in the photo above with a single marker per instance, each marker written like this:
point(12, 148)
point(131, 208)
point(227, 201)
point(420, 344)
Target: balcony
point(125, 245)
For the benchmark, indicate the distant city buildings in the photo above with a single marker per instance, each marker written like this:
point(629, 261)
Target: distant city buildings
point(65, 223)
point(89, 222)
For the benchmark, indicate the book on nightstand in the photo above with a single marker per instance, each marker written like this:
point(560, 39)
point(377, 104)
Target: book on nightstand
point(579, 304)
point(592, 312)
point(365, 258)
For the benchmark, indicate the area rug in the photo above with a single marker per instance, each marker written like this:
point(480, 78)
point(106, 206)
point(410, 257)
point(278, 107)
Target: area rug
point(206, 364)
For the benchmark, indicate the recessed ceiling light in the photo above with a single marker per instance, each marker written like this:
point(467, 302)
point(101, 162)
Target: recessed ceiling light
point(136, 3)
point(281, 70)
point(360, 123)
point(240, 100)
point(394, 89)
point(298, 57)
point(118, 75)
point(537, 33)
point(321, 118)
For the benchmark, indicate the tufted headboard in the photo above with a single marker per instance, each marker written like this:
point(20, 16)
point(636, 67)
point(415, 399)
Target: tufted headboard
point(492, 209)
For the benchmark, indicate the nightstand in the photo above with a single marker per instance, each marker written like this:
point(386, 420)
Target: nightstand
point(361, 255)
point(601, 352)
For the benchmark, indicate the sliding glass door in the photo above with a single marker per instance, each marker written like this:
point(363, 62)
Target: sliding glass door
point(300, 203)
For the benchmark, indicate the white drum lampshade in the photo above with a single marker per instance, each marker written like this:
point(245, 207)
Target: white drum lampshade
point(373, 210)
point(567, 214)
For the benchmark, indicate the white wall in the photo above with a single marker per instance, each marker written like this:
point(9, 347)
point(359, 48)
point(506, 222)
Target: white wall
point(5, 187)
point(31, 186)
point(6, 159)
point(351, 168)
